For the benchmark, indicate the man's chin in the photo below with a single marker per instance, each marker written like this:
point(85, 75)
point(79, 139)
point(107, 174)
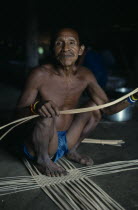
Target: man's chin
point(66, 63)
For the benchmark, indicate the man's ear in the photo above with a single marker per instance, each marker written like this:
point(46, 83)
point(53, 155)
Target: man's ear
point(81, 50)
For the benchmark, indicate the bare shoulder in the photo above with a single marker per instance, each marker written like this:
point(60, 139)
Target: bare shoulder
point(41, 71)
point(86, 73)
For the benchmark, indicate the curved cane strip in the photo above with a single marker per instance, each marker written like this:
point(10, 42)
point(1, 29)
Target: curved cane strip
point(88, 109)
point(26, 120)
point(19, 120)
point(73, 111)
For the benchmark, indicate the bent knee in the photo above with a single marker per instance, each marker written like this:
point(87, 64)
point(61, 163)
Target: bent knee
point(97, 115)
point(45, 122)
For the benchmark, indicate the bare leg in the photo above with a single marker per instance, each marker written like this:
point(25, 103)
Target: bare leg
point(81, 127)
point(45, 143)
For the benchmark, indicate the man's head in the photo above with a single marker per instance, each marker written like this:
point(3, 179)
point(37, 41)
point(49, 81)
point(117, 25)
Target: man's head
point(67, 47)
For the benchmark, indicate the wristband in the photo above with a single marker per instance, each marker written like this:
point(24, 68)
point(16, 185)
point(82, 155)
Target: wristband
point(33, 107)
point(131, 99)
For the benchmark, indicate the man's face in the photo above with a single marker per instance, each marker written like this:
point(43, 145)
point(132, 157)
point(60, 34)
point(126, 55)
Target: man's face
point(67, 47)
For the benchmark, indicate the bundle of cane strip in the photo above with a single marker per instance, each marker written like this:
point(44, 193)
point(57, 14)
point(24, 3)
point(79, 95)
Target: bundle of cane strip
point(73, 111)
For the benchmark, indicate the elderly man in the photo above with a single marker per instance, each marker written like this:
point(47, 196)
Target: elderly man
point(58, 86)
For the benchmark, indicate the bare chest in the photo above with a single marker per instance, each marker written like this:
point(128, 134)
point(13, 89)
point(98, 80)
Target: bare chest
point(63, 91)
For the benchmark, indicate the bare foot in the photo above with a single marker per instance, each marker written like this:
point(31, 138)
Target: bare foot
point(51, 169)
point(82, 159)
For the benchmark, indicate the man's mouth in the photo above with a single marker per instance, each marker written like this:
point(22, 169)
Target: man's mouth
point(65, 55)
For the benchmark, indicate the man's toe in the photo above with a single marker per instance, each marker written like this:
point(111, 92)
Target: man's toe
point(82, 161)
point(89, 163)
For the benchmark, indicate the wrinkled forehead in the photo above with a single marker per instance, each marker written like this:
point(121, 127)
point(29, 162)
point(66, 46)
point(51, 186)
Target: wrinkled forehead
point(67, 34)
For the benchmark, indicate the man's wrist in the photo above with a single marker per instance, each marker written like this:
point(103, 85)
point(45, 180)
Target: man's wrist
point(132, 99)
point(33, 107)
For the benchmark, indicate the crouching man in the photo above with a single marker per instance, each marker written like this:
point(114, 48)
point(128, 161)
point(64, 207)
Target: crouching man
point(59, 86)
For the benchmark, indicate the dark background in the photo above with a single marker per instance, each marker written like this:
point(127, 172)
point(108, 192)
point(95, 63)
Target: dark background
point(104, 25)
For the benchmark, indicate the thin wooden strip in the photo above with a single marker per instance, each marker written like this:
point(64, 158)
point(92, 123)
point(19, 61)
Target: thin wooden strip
point(75, 174)
point(103, 202)
point(13, 128)
point(75, 196)
point(60, 189)
point(81, 110)
point(99, 202)
point(101, 141)
point(78, 204)
point(86, 194)
point(19, 190)
point(104, 167)
point(88, 109)
point(99, 192)
point(63, 189)
point(134, 161)
point(19, 120)
point(68, 164)
point(61, 163)
point(47, 191)
point(56, 192)
point(106, 196)
point(112, 164)
point(100, 172)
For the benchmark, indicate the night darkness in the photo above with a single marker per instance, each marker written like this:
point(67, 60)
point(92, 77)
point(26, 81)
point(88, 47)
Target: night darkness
point(103, 24)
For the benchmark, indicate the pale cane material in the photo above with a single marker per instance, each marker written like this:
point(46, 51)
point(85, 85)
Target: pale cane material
point(74, 191)
point(75, 111)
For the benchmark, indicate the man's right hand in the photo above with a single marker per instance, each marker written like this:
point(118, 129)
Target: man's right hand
point(47, 109)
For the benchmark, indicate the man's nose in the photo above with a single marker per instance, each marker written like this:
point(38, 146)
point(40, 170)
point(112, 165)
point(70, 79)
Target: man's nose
point(65, 47)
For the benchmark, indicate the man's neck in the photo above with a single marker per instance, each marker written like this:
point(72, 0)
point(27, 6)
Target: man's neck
point(68, 70)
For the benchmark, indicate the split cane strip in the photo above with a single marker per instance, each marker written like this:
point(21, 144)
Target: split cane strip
point(73, 191)
point(81, 110)
point(26, 120)
point(101, 141)
point(103, 194)
point(88, 109)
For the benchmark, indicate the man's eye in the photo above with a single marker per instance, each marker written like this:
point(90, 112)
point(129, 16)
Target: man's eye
point(72, 42)
point(58, 43)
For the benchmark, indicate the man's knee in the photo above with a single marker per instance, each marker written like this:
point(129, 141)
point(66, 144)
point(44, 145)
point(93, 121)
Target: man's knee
point(45, 122)
point(97, 115)
point(44, 127)
point(94, 119)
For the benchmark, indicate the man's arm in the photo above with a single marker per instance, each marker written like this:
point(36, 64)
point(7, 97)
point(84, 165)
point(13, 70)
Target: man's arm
point(29, 94)
point(98, 95)
point(28, 104)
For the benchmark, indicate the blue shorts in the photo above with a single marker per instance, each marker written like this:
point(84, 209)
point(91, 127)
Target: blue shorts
point(61, 151)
